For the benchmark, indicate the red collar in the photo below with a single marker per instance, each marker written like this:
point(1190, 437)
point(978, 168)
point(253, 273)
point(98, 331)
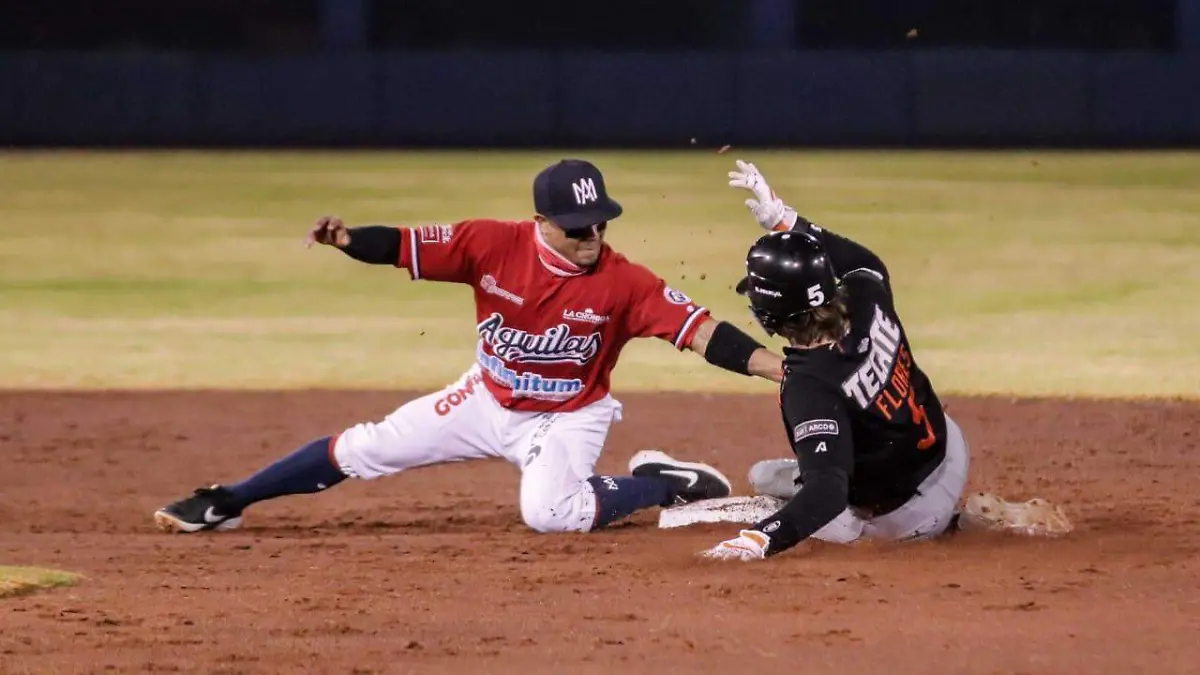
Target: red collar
point(552, 260)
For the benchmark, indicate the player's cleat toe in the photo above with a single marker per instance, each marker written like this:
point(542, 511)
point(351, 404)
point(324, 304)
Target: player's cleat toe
point(775, 478)
point(209, 508)
point(691, 481)
point(1036, 517)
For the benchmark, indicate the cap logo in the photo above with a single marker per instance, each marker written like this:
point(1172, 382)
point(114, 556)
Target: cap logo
point(585, 191)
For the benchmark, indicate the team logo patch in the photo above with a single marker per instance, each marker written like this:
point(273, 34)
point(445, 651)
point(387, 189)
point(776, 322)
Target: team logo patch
point(814, 428)
point(676, 297)
point(436, 234)
point(585, 191)
point(488, 283)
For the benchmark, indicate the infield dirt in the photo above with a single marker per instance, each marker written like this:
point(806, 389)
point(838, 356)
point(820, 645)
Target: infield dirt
point(433, 571)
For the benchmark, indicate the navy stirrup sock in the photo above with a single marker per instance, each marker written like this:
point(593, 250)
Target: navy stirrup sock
point(619, 496)
point(307, 470)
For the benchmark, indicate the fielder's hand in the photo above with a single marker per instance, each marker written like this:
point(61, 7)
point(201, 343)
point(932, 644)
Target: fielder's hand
point(748, 545)
point(769, 210)
point(329, 230)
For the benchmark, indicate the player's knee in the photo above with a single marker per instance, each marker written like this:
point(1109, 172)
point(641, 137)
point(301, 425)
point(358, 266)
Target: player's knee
point(545, 512)
point(359, 452)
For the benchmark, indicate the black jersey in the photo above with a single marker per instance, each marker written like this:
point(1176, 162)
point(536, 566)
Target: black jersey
point(862, 417)
point(865, 403)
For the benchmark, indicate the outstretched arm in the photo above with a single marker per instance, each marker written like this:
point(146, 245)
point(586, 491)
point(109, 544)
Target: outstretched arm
point(443, 252)
point(824, 446)
point(773, 214)
point(372, 244)
point(725, 346)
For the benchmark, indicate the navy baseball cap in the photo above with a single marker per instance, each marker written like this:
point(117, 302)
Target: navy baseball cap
point(571, 193)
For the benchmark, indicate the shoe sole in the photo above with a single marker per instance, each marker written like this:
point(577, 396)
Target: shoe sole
point(645, 457)
point(1034, 518)
point(169, 523)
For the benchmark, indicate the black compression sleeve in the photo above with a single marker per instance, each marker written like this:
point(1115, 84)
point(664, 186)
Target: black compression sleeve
point(374, 244)
point(730, 348)
point(821, 499)
point(823, 442)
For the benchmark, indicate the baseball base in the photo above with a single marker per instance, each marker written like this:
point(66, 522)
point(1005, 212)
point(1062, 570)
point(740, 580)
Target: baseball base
point(744, 510)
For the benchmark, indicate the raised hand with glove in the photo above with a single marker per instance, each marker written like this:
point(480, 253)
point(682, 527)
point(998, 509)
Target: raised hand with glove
point(774, 215)
point(768, 209)
point(748, 545)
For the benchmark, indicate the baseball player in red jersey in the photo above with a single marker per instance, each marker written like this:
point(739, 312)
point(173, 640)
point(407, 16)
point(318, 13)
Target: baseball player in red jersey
point(554, 307)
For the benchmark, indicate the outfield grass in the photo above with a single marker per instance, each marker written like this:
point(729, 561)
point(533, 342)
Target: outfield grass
point(1022, 272)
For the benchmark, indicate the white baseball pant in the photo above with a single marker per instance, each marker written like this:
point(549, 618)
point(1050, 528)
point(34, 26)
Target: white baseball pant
point(555, 452)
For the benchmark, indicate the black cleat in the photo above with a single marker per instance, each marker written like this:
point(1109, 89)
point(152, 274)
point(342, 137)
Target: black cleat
point(207, 509)
point(691, 481)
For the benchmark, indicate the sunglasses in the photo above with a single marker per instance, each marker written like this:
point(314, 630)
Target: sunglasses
point(586, 232)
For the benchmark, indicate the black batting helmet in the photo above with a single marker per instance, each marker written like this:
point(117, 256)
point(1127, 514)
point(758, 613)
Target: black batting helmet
point(787, 274)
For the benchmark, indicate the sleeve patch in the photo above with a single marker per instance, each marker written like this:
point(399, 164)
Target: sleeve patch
point(676, 297)
point(814, 428)
point(436, 234)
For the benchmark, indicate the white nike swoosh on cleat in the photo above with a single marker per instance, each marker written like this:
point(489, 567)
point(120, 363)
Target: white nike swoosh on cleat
point(691, 476)
point(210, 516)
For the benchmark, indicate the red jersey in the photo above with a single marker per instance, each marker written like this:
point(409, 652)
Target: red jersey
point(547, 342)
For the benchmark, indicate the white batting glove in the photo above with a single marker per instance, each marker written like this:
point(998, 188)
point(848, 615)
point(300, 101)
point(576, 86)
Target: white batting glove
point(748, 545)
point(769, 210)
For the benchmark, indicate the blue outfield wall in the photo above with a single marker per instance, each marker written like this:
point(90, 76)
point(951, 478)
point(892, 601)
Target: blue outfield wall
point(538, 99)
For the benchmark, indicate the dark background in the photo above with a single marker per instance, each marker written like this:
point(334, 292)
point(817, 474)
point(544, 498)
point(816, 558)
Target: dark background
point(615, 73)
